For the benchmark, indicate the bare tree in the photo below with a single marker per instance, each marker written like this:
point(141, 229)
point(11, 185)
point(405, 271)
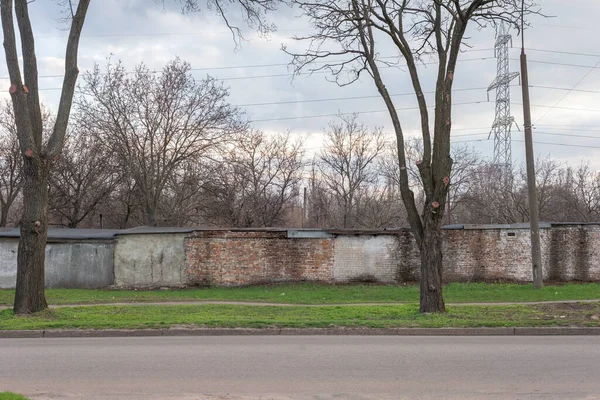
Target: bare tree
point(586, 189)
point(348, 165)
point(253, 12)
point(465, 167)
point(256, 181)
point(82, 177)
point(37, 155)
point(184, 196)
point(10, 162)
point(347, 41)
point(155, 124)
point(123, 208)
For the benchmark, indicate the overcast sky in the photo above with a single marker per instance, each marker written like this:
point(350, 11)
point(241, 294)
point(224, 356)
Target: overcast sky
point(142, 31)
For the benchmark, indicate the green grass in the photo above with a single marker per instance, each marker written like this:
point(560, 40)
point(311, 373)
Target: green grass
point(231, 316)
point(308, 293)
point(11, 396)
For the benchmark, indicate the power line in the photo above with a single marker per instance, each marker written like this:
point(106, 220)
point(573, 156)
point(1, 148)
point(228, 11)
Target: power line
point(582, 28)
point(560, 64)
point(401, 109)
point(327, 72)
point(560, 108)
point(348, 98)
point(571, 53)
point(568, 92)
point(350, 113)
point(558, 88)
point(536, 133)
point(536, 142)
point(230, 67)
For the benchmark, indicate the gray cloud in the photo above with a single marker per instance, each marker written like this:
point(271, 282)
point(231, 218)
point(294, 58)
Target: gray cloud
point(142, 31)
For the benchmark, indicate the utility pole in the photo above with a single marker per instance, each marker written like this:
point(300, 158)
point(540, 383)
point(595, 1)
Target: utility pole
point(304, 209)
point(534, 219)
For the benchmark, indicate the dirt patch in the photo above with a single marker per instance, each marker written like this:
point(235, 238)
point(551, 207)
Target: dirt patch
point(587, 314)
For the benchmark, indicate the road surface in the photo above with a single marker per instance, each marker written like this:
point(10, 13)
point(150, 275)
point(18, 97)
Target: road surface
point(303, 367)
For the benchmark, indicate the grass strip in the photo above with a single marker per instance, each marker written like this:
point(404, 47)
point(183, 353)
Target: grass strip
point(11, 396)
point(309, 293)
point(233, 316)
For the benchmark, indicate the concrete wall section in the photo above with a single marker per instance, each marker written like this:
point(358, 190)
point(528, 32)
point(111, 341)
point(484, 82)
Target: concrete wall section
point(79, 265)
point(68, 264)
point(149, 259)
point(8, 262)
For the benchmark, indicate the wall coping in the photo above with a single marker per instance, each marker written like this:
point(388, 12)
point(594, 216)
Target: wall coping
point(68, 234)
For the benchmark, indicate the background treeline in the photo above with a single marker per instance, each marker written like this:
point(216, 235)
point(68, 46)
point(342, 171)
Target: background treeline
point(166, 149)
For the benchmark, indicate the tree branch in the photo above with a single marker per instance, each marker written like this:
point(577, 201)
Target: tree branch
point(57, 139)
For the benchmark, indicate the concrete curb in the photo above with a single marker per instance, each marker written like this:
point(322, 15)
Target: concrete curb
point(261, 304)
point(518, 331)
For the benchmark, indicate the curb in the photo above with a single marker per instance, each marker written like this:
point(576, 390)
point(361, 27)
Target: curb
point(517, 331)
point(269, 304)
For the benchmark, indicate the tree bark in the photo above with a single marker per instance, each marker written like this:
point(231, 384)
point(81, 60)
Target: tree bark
point(431, 268)
point(29, 296)
point(3, 214)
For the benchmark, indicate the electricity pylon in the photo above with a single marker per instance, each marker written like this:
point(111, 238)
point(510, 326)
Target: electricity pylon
point(503, 121)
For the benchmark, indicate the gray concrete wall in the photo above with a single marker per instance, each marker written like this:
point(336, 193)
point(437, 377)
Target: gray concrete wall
point(8, 262)
point(68, 264)
point(150, 259)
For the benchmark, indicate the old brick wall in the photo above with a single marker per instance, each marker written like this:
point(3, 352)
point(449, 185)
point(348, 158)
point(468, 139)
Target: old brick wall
point(233, 258)
point(572, 253)
point(471, 254)
point(487, 255)
point(382, 258)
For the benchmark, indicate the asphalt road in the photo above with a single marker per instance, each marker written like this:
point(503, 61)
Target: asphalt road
point(303, 367)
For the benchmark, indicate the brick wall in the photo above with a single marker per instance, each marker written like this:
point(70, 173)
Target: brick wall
point(487, 255)
point(233, 258)
point(572, 253)
point(227, 258)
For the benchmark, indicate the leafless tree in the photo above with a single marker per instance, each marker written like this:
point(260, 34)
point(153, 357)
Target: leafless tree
point(466, 164)
point(37, 154)
point(83, 176)
point(256, 182)
point(10, 162)
point(347, 41)
point(155, 124)
point(253, 11)
point(587, 191)
point(347, 166)
point(184, 196)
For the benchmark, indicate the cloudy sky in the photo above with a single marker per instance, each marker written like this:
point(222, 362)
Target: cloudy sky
point(563, 52)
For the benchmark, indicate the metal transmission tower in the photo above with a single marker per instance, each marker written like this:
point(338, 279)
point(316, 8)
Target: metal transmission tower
point(503, 120)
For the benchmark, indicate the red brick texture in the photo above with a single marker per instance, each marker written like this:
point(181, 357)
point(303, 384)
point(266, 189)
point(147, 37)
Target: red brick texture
point(235, 258)
point(225, 258)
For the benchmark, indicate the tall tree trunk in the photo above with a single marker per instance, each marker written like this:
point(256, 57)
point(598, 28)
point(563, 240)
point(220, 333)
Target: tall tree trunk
point(431, 268)
point(29, 296)
point(3, 214)
point(150, 215)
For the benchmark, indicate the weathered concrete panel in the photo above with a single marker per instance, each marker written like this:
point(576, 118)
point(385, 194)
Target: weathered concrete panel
point(68, 264)
point(8, 262)
point(79, 265)
point(366, 258)
point(150, 259)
